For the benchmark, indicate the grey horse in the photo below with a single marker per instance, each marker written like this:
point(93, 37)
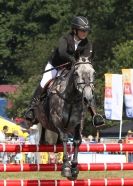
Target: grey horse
point(62, 112)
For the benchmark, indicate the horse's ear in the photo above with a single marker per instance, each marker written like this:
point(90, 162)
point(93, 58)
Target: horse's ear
point(89, 60)
point(82, 59)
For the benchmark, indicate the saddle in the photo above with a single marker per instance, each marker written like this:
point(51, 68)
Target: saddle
point(56, 85)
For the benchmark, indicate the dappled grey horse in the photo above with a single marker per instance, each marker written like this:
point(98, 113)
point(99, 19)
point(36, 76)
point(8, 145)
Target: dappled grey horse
point(68, 98)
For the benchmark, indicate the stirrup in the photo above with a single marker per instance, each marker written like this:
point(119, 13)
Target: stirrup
point(29, 114)
point(98, 120)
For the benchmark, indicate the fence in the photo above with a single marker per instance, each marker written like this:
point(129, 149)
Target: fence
point(56, 167)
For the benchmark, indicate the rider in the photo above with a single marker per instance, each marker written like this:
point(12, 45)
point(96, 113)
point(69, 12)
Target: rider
point(70, 48)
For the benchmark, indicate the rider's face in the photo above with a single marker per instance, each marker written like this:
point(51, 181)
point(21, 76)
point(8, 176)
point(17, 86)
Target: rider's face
point(82, 34)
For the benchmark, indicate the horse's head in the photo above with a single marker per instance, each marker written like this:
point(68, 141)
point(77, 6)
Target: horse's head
point(84, 78)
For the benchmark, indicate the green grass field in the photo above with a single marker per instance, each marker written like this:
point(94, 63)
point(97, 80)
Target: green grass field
point(56, 175)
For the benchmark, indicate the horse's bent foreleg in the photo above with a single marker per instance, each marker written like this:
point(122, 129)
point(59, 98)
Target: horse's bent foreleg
point(76, 143)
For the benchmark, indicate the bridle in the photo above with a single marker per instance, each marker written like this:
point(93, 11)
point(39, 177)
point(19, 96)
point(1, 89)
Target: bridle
point(76, 84)
point(91, 83)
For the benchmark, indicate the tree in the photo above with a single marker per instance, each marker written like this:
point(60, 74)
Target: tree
point(123, 57)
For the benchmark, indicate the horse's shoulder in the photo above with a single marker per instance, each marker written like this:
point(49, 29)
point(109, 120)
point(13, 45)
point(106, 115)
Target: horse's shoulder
point(59, 83)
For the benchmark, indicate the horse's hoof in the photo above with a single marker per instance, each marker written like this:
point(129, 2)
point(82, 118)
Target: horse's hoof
point(74, 172)
point(66, 172)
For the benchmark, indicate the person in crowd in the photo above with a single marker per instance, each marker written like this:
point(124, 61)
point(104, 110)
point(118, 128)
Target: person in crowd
point(129, 139)
point(16, 139)
point(83, 139)
point(52, 158)
point(34, 138)
point(3, 155)
point(70, 48)
point(101, 140)
point(91, 139)
point(59, 157)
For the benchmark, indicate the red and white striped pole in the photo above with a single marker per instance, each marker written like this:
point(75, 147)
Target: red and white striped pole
point(59, 148)
point(89, 182)
point(57, 167)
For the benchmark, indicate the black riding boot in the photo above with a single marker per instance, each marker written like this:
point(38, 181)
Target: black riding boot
point(97, 119)
point(29, 114)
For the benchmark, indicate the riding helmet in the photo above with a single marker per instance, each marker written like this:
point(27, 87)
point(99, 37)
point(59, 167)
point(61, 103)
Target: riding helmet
point(80, 23)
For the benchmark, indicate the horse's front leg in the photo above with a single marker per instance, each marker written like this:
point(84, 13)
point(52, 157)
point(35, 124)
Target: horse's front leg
point(76, 143)
point(66, 167)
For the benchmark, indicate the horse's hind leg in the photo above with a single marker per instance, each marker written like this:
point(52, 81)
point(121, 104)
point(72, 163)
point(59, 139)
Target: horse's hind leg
point(76, 143)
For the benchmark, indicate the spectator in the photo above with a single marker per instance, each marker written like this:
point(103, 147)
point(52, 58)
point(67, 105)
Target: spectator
point(3, 140)
point(59, 157)
point(52, 158)
point(34, 138)
point(16, 139)
point(120, 141)
point(83, 139)
point(101, 140)
point(129, 139)
point(34, 135)
point(91, 139)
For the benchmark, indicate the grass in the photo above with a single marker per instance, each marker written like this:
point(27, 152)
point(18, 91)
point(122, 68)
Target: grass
point(57, 176)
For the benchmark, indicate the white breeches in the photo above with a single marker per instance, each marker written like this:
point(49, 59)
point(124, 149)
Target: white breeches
point(48, 75)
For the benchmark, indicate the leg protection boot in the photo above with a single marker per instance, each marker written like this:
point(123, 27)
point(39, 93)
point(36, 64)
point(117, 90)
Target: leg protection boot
point(29, 114)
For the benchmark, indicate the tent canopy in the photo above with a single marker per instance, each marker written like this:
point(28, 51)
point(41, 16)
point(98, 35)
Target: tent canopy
point(12, 127)
point(114, 130)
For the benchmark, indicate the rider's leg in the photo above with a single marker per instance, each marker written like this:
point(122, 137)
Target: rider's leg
point(41, 89)
point(29, 114)
point(98, 120)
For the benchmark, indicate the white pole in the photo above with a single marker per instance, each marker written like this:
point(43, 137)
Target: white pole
point(120, 129)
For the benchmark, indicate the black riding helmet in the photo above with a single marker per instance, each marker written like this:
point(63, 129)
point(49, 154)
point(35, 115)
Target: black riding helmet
point(80, 23)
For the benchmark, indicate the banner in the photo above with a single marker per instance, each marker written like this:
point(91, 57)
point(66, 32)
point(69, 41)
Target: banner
point(127, 75)
point(113, 101)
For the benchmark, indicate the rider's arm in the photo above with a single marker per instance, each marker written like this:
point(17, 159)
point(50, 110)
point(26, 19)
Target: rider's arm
point(88, 51)
point(63, 51)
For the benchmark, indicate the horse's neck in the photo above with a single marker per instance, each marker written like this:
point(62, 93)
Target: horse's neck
point(66, 86)
point(70, 90)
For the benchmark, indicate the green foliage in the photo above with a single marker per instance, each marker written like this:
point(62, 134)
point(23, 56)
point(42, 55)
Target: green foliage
point(123, 57)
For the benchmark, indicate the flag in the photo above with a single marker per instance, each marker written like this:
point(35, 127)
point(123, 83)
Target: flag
point(127, 75)
point(113, 101)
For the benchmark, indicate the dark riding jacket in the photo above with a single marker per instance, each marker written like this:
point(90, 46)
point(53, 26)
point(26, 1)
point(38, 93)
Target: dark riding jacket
point(66, 50)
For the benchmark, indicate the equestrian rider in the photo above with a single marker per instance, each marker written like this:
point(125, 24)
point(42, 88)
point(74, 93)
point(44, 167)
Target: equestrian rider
point(70, 48)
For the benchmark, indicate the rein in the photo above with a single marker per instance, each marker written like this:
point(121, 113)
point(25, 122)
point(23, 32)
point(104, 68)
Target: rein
point(60, 66)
